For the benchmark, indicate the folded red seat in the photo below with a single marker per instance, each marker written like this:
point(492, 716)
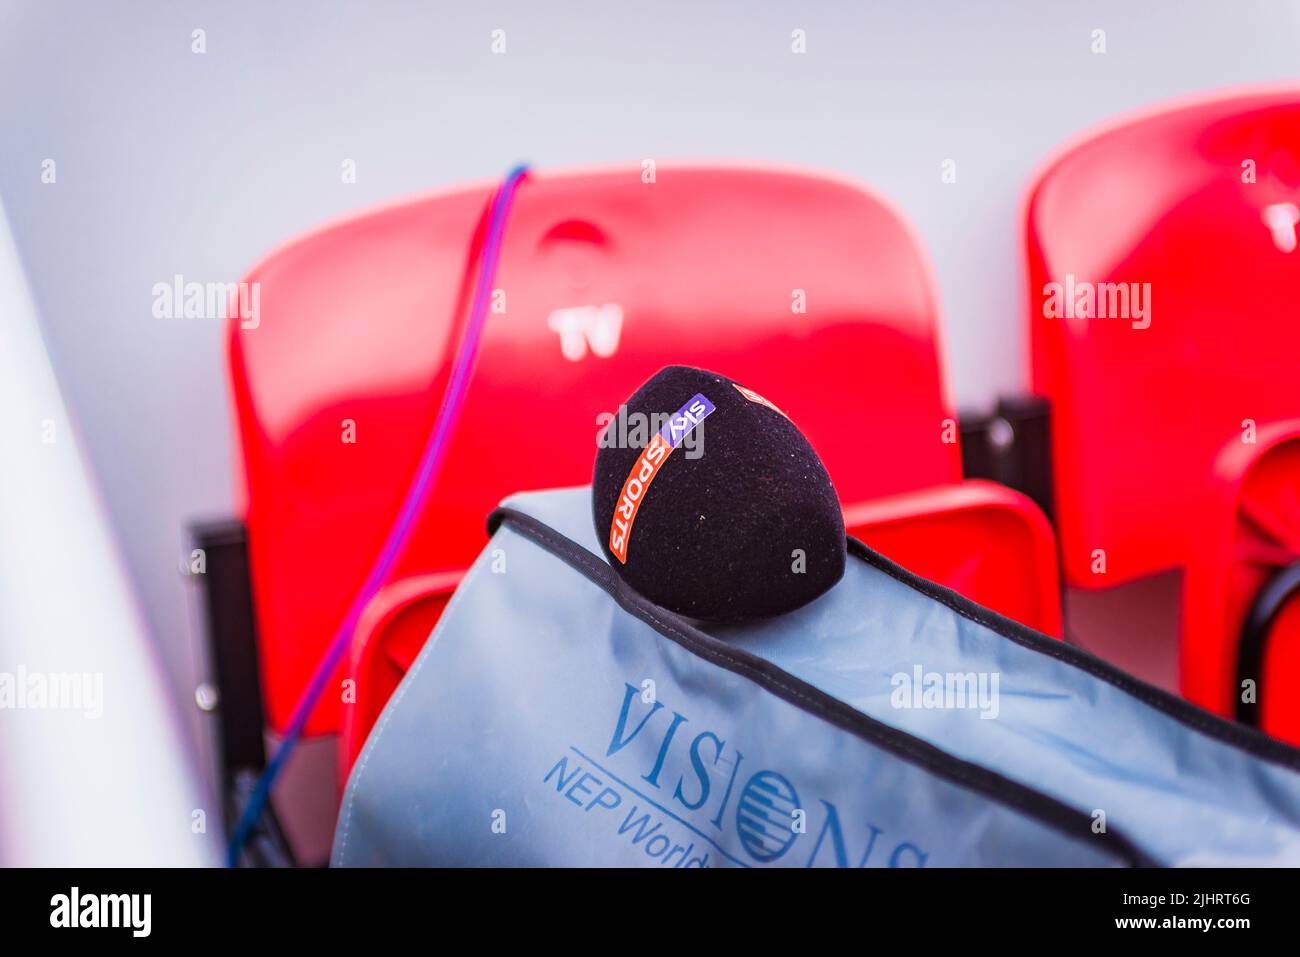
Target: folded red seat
point(1162, 268)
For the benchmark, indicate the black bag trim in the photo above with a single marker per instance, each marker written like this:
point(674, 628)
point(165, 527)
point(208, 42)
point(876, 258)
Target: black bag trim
point(1047, 810)
point(1239, 736)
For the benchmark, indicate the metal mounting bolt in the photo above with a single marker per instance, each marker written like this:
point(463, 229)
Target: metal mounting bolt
point(206, 697)
point(1001, 435)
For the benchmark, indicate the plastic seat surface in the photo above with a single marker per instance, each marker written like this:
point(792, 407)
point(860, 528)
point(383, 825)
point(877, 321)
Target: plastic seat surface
point(1198, 204)
point(604, 278)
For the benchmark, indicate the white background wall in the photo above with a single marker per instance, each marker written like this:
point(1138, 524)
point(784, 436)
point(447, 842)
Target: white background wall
point(169, 161)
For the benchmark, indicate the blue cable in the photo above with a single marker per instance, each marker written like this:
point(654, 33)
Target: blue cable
point(426, 475)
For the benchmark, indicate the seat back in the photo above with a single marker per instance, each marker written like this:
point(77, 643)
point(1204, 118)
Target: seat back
point(1181, 227)
point(808, 288)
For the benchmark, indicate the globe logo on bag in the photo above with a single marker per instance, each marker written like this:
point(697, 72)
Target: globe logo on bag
point(763, 816)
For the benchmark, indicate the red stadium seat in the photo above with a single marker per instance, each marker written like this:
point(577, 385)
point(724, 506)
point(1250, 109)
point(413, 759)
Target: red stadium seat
point(807, 287)
point(1172, 428)
point(978, 538)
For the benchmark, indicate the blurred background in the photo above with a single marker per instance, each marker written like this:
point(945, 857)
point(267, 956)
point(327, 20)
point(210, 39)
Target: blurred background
point(170, 161)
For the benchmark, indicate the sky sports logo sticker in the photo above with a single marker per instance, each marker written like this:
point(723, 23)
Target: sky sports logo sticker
point(652, 458)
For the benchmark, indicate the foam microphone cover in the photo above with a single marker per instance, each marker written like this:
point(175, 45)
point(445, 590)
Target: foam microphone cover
point(736, 522)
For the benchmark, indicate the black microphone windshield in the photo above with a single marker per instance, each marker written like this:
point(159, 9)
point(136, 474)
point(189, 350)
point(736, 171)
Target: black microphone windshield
point(710, 502)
